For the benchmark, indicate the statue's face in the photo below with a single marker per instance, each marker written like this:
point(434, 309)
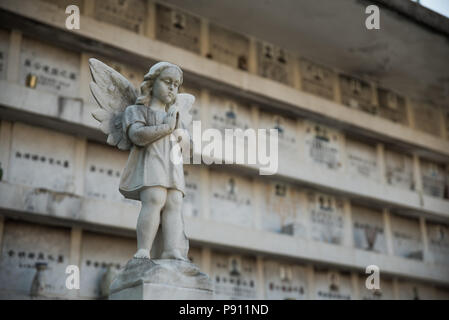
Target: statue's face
point(165, 88)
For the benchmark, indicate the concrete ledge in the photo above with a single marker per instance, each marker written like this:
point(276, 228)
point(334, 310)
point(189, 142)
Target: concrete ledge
point(357, 187)
point(118, 217)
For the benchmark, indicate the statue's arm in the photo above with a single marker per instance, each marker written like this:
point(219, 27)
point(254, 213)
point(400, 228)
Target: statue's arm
point(143, 135)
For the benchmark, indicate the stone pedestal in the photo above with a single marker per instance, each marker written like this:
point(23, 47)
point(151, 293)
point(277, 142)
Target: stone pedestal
point(163, 279)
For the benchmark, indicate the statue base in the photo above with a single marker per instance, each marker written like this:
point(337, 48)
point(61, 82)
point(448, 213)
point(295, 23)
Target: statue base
point(161, 279)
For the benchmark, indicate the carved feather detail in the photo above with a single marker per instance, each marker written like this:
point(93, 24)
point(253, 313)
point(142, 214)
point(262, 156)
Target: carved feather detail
point(113, 93)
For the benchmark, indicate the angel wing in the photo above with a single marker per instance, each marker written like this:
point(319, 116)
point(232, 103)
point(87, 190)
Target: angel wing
point(113, 93)
point(184, 103)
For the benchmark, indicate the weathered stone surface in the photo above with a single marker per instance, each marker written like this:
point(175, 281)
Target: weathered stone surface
point(150, 291)
point(171, 279)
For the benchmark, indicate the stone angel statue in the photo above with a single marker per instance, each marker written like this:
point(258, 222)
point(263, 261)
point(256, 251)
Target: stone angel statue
point(153, 125)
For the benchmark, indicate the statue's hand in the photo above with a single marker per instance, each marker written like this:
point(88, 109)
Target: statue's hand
point(172, 118)
point(171, 121)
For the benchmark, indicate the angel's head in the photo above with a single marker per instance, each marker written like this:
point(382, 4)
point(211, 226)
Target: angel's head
point(161, 82)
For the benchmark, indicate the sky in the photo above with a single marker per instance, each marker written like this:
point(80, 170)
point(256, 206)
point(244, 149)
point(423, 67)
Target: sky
point(440, 6)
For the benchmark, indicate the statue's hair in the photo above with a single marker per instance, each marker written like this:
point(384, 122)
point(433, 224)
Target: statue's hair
point(146, 88)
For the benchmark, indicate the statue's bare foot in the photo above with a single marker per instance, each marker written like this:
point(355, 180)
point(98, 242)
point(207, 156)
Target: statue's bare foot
point(142, 254)
point(173, 254)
